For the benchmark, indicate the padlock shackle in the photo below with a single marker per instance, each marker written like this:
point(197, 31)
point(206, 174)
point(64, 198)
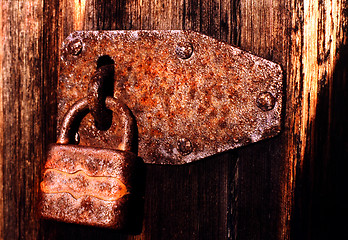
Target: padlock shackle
point(116, 106)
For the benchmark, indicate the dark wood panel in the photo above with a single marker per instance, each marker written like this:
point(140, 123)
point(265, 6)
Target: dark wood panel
point(331, 175)
point(250, 193)
point(264, 29)
point(189, 201)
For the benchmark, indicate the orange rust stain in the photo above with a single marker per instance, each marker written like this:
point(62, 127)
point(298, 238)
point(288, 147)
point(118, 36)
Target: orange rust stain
point(159, 115)
point(156, 133)
point(148, 101)
point(79, 184)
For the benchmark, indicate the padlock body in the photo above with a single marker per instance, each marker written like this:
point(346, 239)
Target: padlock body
point(90, 186)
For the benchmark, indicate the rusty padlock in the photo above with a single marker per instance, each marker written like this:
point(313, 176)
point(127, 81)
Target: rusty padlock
point(92, 186)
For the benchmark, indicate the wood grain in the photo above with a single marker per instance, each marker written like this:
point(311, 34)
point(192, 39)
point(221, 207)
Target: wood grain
point(275, 189)
point(264, 30)
point(317, 33)
point(21, 115)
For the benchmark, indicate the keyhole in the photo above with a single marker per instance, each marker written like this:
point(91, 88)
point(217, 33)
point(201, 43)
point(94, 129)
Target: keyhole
point(109, 64)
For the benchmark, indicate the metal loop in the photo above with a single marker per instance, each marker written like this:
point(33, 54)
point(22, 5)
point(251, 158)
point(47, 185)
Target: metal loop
point(98, 90)
point(116, 106)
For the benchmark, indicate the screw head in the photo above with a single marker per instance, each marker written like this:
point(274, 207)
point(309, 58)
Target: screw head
point(184, 50)
point(265, 101)
point(185, 146)
point(75, 47)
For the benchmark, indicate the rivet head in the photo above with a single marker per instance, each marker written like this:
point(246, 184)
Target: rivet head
point(184, 50)
point(185, 146)
point(75, 47)
point(265, 101)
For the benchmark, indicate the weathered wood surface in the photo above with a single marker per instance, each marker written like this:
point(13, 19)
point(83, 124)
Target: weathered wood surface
point(276, 189)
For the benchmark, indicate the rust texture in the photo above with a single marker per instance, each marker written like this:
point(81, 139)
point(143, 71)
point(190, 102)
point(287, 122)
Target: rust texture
point(91, 185)
point(192, 96)
point(120, 111)
point(79, 184)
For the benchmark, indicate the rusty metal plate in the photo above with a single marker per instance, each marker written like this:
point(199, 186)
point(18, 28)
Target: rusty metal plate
point(192, 96)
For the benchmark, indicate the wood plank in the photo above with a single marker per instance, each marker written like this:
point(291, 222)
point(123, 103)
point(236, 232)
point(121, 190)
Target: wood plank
point(191, 14)
point(328, 191)
point(177, 206)
point(318, 34)
point(21, 116)
point(264, 30)
point(270, 190)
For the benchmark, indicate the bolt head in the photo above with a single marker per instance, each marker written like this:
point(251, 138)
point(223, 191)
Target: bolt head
point(75, 47)
point(184, 50)
point(265, 101)
point(185, 146)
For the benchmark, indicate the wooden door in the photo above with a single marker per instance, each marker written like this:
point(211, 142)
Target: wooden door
point(288, 187)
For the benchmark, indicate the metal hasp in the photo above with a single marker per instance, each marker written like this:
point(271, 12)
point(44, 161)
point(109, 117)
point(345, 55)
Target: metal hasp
point(192, 96)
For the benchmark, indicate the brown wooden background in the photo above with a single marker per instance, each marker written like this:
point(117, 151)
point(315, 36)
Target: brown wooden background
point(289, 187)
